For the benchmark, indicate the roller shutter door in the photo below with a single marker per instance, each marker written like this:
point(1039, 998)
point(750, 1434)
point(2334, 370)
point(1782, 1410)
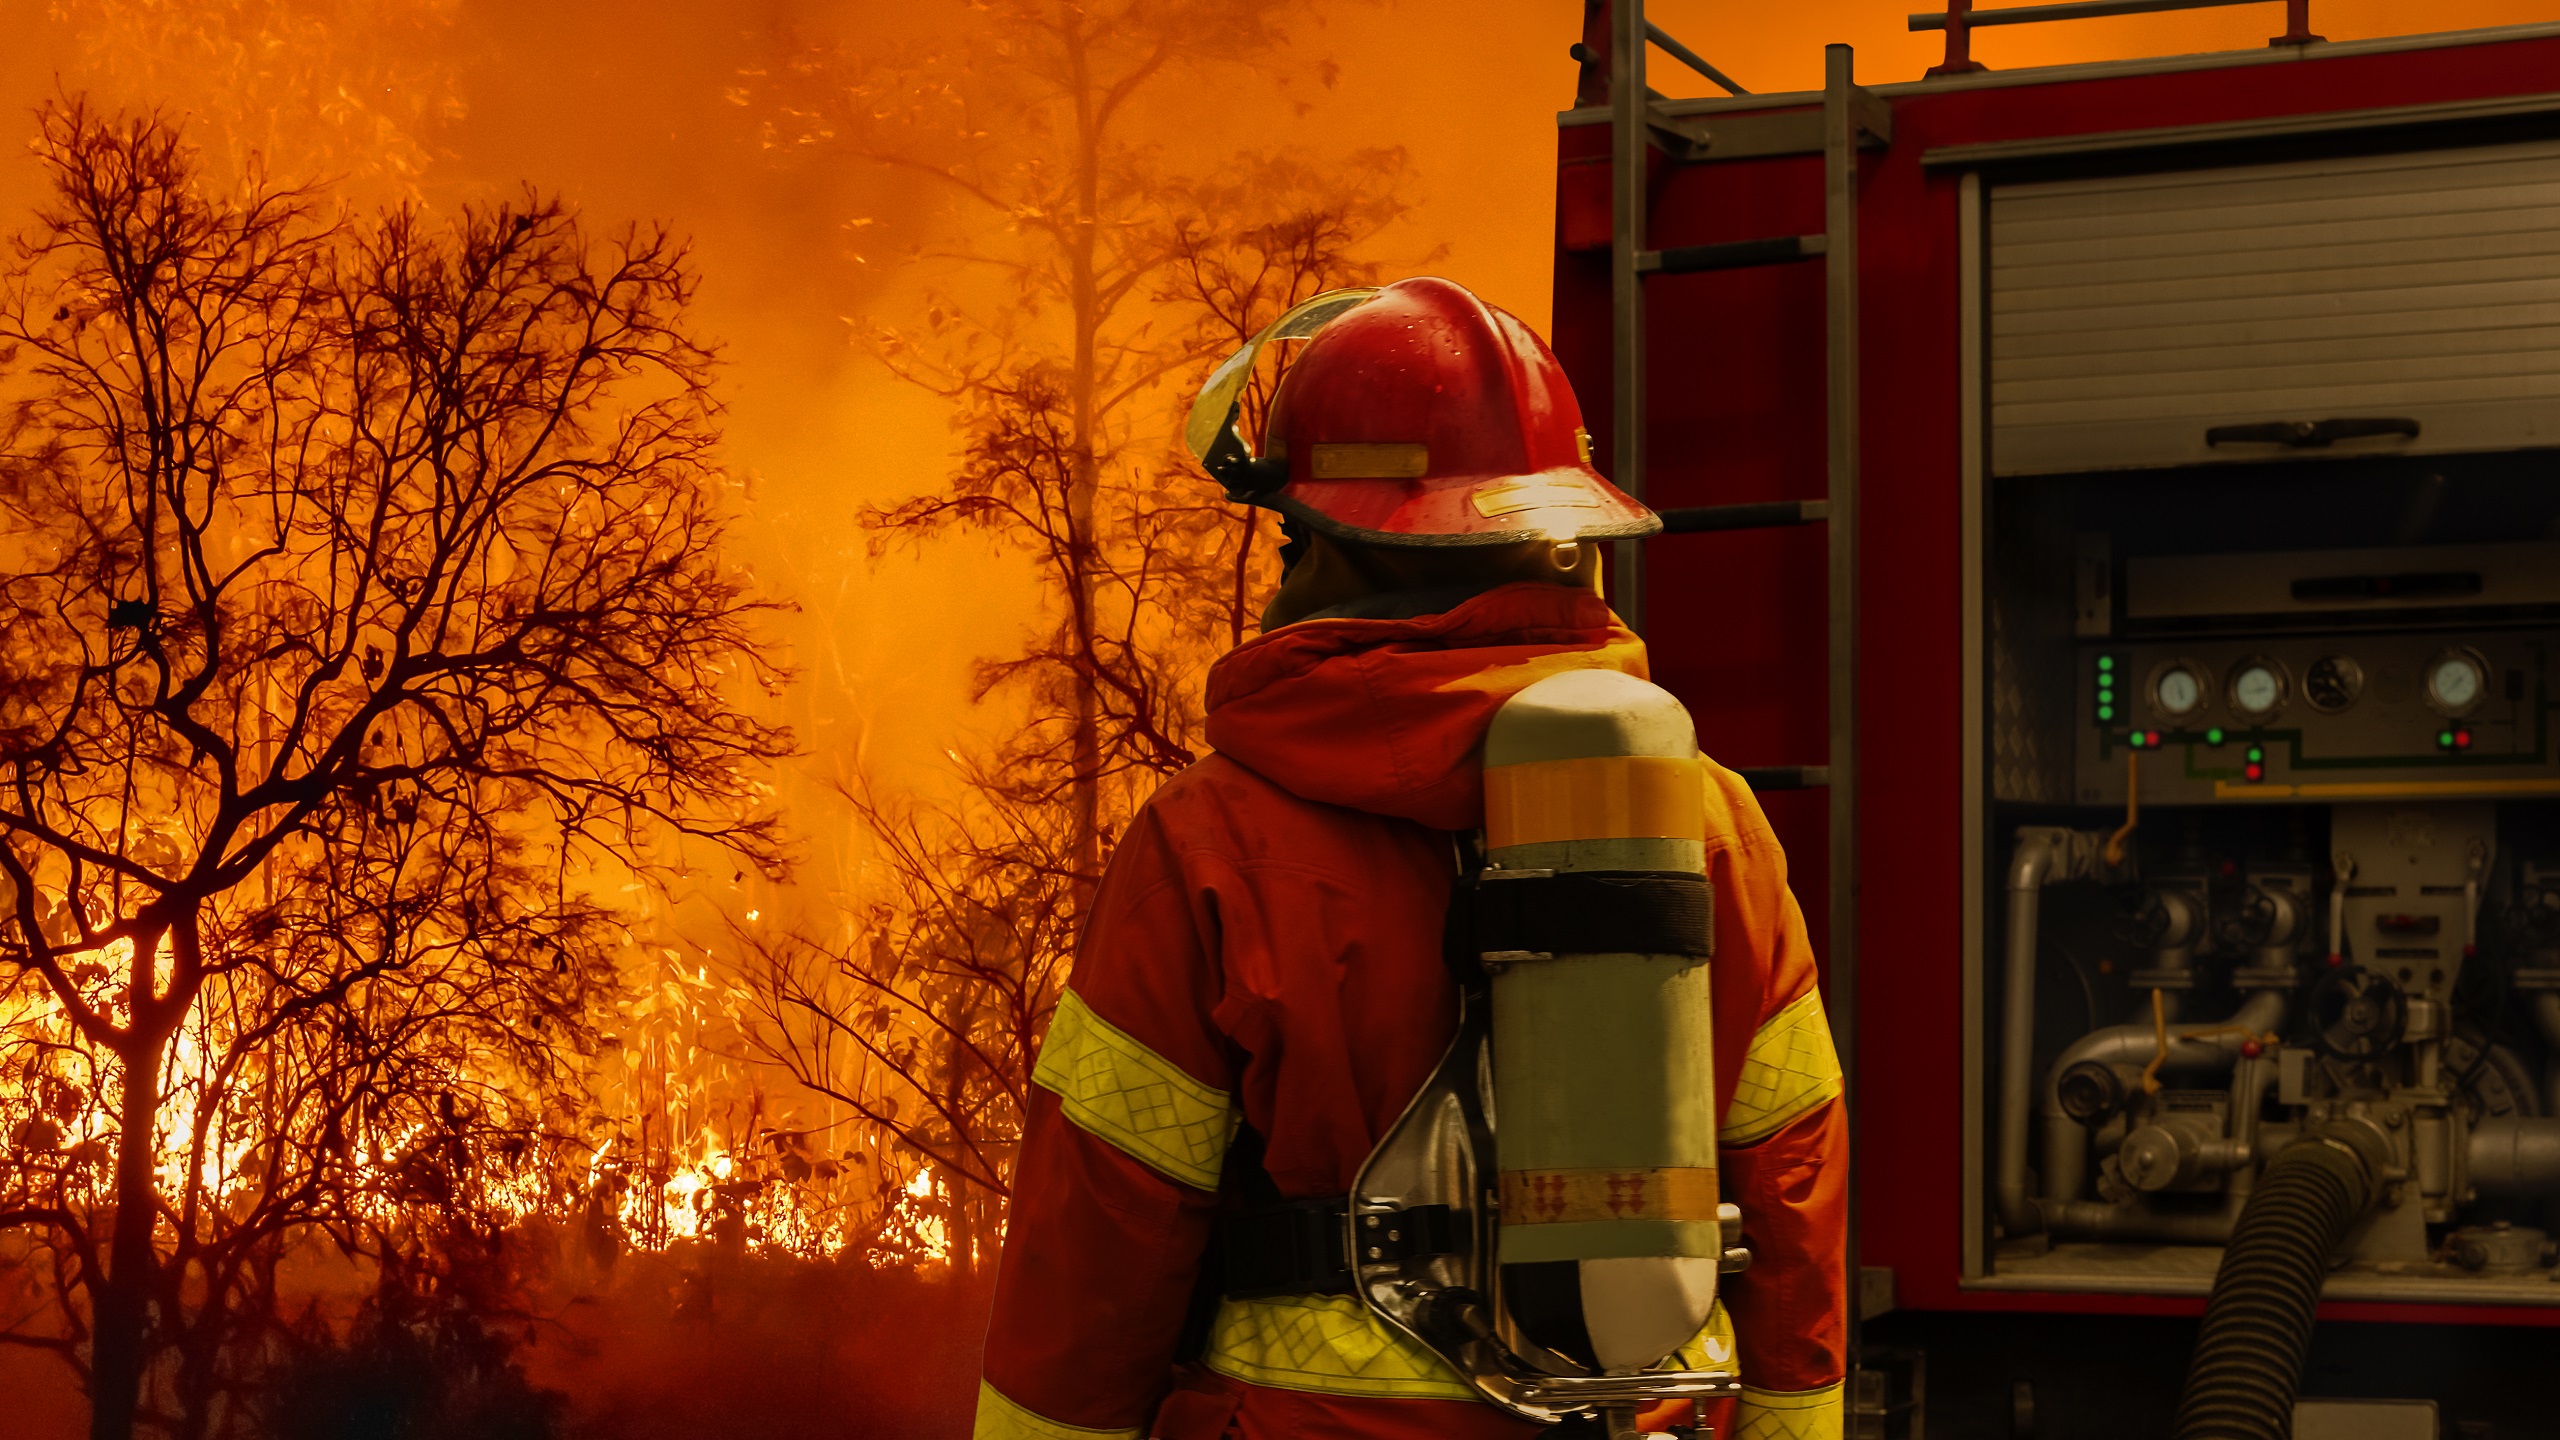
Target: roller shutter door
point(2129, 315)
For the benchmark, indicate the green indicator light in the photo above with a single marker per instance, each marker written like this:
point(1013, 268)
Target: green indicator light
point(2256, 754)
point(2134, 739)
point(2106, 662)
point(2106, 712)
point(2213, 736)
point(2445, 738)
point(2106, 697)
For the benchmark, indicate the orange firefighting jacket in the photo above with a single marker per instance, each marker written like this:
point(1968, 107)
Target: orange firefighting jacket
point(1266, 948)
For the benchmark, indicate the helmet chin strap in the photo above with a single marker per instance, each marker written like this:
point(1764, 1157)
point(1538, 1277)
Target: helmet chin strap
point(1229, 461)
point(1293, 544)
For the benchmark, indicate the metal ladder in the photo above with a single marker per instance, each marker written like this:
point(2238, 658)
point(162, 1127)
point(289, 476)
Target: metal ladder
point(1851, 118)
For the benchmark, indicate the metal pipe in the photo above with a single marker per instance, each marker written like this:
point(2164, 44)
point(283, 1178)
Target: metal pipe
point(2029, 869)
point(1630, 140)
point(1842, 422)
point(2066, 1161)
point(2249, 1081)
point(2073, 10)
point(2517, 1157)
point(1691, 58)
point(2546, 1018)
point(2092, 1220)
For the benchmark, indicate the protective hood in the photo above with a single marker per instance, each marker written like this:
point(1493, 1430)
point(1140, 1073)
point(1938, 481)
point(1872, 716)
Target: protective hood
point(1386, 715)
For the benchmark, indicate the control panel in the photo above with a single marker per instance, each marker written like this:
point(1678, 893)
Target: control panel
point(2350, 716)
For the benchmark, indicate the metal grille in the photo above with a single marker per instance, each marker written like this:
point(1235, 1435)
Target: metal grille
point(2131, 314)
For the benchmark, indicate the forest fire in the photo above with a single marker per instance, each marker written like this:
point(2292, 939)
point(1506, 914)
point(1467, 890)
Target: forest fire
point(379, 687)
point(550, 772)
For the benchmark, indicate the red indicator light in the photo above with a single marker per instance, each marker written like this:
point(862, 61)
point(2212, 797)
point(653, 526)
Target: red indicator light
point(2151, 738)
point(2256, 772)
point(2461, 739)
point(2251, 1049)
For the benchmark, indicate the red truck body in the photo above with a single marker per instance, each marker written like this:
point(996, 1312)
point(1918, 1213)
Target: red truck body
point(1737, 620)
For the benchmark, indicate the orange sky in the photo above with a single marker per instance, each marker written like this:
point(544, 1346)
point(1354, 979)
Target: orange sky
point(621, 105)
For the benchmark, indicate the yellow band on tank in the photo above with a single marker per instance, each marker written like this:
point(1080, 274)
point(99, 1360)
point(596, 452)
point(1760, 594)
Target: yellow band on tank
point(1605, 797)
point(1565, 1197)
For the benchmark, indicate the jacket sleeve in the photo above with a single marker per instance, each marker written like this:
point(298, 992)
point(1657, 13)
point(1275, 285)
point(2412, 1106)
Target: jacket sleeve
point(1131, 1110)
point(1784, 1133)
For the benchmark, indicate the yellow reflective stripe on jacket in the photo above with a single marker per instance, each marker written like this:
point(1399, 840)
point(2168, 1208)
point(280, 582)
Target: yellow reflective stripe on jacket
point(1136, 1099)
point(1330, 1344)
point(1710, 1350)
point(1001, 1419)
point(1789, 1069)
point(1789, 1414)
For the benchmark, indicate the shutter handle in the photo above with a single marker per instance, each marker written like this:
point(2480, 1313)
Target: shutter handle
point(2311, 434)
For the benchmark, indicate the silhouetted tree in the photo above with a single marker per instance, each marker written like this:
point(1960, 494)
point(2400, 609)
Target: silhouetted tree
point(362, 605)
point(1109, 285)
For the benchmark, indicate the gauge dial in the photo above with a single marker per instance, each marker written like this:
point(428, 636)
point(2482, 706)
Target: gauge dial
point(2257, 687)
point(2177, 690)
point(2456, 681)
point(2332, 683)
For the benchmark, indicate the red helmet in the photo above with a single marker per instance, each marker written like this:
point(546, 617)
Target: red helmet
point(1416, 415)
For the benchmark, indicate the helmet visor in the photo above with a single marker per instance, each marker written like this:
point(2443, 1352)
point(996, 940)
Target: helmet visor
point(1217, 400)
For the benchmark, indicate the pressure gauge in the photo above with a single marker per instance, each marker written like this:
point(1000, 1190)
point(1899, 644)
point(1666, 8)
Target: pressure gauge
point(2257, 687)
point(2177, 689)
point(2456, 681)
point(2332, 683)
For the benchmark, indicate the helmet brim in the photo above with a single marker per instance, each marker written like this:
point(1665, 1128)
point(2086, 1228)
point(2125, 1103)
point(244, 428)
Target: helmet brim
point(1573, 503)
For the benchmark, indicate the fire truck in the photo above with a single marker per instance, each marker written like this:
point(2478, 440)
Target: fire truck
point(2113, 517)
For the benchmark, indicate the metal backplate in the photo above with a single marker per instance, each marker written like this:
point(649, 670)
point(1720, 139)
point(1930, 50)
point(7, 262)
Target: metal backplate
point(1440, 1152)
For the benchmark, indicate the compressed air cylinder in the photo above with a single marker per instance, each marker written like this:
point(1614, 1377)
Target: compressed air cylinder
point(1603, 1063)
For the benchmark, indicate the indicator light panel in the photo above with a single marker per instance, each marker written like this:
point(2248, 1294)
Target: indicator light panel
point(2109, 692)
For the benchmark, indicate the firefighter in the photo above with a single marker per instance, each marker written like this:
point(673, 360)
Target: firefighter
point(1261, 987)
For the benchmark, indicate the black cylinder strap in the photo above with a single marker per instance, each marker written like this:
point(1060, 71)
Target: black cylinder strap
point(1595, 912)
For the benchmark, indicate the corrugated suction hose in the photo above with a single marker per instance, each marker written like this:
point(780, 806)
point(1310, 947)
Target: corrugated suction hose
point(2257, 1325)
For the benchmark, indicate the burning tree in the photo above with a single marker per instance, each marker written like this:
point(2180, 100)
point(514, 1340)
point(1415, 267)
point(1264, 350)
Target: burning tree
point(1064, 348)
point(361, 602)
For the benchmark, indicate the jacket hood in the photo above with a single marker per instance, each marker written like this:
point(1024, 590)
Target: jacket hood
point(1387, 715)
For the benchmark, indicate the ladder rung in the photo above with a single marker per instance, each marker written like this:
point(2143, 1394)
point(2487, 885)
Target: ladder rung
point(1784, 777)
point(1730, 255)
point(1761, 516)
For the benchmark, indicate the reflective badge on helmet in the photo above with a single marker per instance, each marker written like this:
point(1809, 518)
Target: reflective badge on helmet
point(1510, 497)
point(1401, 460)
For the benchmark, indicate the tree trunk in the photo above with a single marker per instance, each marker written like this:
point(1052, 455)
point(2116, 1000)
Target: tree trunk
point(120, 1303)
point(1085, 381)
